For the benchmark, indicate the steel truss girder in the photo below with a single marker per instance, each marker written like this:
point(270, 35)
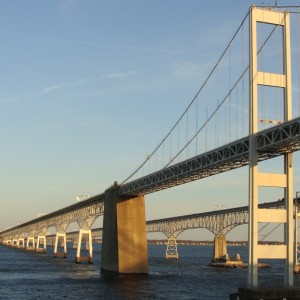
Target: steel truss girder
point(83, 213)
point(218, 222)
point(272, 142)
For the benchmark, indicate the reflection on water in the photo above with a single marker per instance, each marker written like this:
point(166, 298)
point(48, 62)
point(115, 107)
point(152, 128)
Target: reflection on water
point(32, 276)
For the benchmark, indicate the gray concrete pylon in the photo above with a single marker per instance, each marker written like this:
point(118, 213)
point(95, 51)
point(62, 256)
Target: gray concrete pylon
point(30, 246)
point(171, 251)
point(60, 235)
point(88, 234)
point(21, 243)
point(124, 243)
point(220, 247)
point(41, 241)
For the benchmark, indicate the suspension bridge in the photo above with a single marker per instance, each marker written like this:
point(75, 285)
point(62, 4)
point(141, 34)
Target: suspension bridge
point(242, 114)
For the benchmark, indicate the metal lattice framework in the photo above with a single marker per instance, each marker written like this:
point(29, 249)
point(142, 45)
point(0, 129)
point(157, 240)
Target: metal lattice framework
point(84, 213)
point(272, 142)
point(218, 222)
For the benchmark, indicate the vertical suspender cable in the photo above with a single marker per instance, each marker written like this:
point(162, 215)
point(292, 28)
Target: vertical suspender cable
point(229, 88)
point(178, 138)
point(243, 83)
point(197, 126)
point(206, 117)
point(217, 114)
point(170, 156)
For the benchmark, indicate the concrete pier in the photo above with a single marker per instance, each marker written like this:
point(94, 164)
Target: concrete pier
point(124, 243)
point(41, 241)
point(171, 251)
point(60, 235)
point(220, 247)
point(79, 258)
point(30, 246)
point(21, 243)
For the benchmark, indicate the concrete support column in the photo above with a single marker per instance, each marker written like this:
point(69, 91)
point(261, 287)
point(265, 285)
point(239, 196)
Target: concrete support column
point(30, 246)
point(220, 248)
point(60, 236)
point(15, 243)
point(88, 234)
point(21, 243)
point(124, 243)
point(171, 251)
point(41, 241)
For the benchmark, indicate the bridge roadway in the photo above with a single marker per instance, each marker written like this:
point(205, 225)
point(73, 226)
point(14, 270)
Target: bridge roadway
point(272, 142)
point(219, 222)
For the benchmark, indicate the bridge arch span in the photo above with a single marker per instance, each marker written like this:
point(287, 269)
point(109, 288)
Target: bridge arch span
point(98, 222)
point(201, 231)
point(72, 226)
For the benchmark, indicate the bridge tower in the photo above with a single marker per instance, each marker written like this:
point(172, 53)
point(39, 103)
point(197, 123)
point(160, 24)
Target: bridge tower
point(259, 179)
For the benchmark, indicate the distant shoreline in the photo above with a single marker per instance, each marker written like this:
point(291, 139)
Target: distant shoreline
point(211, 243)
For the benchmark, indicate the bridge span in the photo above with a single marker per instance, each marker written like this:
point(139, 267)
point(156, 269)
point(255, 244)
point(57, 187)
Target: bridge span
point(219, 222)
point(272, 142)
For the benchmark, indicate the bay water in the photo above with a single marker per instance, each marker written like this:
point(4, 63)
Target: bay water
point(26, 275)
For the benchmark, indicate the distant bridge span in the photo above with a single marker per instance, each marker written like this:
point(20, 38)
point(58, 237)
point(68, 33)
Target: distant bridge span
point(219, 222)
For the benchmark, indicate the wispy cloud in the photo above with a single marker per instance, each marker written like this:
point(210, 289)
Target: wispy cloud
point(188, 69)
point(120, 75)
point(112, 45)
point(77, 124)
point(60, 86)
point(82, 81)
point(56, 87)
point(18, 98)
point(10, 100)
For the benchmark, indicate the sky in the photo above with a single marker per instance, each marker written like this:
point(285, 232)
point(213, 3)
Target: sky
point(89, 88)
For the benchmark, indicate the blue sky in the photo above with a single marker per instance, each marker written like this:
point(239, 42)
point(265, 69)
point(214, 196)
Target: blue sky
point(89, 88)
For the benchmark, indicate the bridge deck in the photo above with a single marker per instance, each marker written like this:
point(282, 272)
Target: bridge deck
point(272, 142)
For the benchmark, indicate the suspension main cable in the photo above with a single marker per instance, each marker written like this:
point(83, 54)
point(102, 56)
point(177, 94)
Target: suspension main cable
point(210, 117)
point(188, 107)
point(195, 97)
point(225, 98)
